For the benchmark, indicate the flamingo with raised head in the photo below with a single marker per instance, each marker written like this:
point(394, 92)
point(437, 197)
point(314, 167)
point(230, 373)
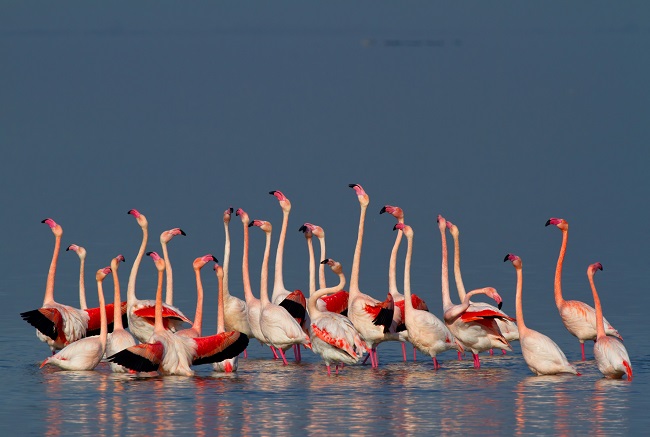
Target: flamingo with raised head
point(230, 364)
point(120, 338)
point(86, 353)
point(610, 353)
point(195, 329)
point(332, 335)
point(542, 355)
point(165, 238)
point(425, 331)
point(371, 317)
point(81, 253)
point(141, 313)
point(476, 331)
point(279, 327)
point(578, 317)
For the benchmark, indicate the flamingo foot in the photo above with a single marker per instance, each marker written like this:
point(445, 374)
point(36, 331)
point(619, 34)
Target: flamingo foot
point(404, 351)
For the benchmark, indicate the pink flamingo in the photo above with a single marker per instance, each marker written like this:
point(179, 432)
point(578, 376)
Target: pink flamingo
point(230, 364)
point(578, 317)
point(171, 354)
point(279, 327)
point(425, 331)
point(197, 265)
point(165, 238)
point(610, 353)
point(542, 355)
point(141, 313)
point(332, 335)
point(86, 353)
point(120, 338)
point(507, 327)
point(476, 331)
point(370, 317)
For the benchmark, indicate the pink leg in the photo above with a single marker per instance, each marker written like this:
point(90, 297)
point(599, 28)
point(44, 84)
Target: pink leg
point(366, 359)
point(414, 354)
point(503, 351)
point(376, 358)
point(245, 353)
point(275, 354)
point(336, 369)
point(436, 366)
point(582, 347)
point(477, 361)
point(491, 352)
point(284, 358)
point(404, 351)
point(296, 353)
point(328, 370)
point(460, 356)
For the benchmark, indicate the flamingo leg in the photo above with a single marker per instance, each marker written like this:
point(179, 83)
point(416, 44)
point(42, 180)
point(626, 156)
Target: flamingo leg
point(336, 369)
point(328, 370)
point(376, 358)
point(491, 352)
point(582, 347)
point(460, 356)
point(414, 354)
point(284, 358)
point(296, 353)
point(275, 354)
point(366, 359)
point(503, 351)
point(245, 353)
point(436, 365)
point(477, 361)
point(404, 351)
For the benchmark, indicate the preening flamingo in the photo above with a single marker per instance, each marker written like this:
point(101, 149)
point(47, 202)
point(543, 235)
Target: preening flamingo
point(610, 353)
point(120, 338)
point(370, 317)
point(507, 327)
point(542, 355)
point(230, 364)
point(476, 331)
point(279, 327)
point(425, 331)
point(86, 353)
point(165, 238)
point(141, 313)
point(578, 317)
point(195, 329)
point(332, 335)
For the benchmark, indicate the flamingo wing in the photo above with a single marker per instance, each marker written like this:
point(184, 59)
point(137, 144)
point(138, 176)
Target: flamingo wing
point(418, 303)
point(471, 316)
point(95, 322)
point(47, 320)
point(147, 312)
point(145, 357)
point(219, 347)
point(382, 313)
point(337, 302)
point(295, 303)
point(338, 342)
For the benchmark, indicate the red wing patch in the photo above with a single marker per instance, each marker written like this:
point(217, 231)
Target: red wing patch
point(472, 316)
point(145, 357)
point(337, 302)
point(219, 347)
point(149, 312)
point(338, 343)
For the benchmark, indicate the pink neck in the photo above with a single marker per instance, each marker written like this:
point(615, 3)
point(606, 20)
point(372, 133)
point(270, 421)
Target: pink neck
point(600, 325)
point(103, 330)
point(198, 315)
point(321, 268)
point(558, 270)
point(354, 275)
point(457, 276)
point(226, 259)
point(248, 292)
point(519, 308)
point(392, 266)
point(169, 290)
point(158, 321)
point(278, 281)
point(312, 266)
point(117, 305)
point(408, 303)
point(130, 289)
point(49, 286)
point(311, 303)
point(264, 275)
point(446, 300)
point(221, 327)
point(82, 285)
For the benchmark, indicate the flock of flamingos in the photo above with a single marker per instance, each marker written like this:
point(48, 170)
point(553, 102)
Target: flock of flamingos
point(341, 326)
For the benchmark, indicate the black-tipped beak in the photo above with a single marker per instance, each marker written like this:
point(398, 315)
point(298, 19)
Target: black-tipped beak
point(506, 258)
point(43, 221)
point(500, 305)
point(231, 210)
point(272, 192)
point(182, 232)
point(325, 261)
point(395, 228)
point(123, 260)
point(600, 267)
point(352, 185)
point(237, 213)
point(215, 259)
point(250, 224)
point(303, 228)
point(149, 253)
point(383, 210)
point(548, 222)
point(67, 248)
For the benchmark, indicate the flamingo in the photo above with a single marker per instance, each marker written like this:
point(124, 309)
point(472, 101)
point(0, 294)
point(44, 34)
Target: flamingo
point(398, 317)
point(610, 353)
point(195, 330)
point(279, 327)
point(578, 317)
point(141, 313)
point(507, 327)
point(370, 317)
point(228, 365)
point(332, 335)
point(336, 302)
point(542, 355)
point(476, 331)
point(172, 354)
point(425, 331)
point(120, 338)
point(86, 353)
point(165, 238)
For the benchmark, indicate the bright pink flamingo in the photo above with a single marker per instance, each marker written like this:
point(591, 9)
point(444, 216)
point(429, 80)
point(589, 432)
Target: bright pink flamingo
point(610, 353)
point(370, 317)
point(476, 331)
point(542, 355)
point(578, 317)
point(425, 331)
point(332, 335)
point(278, 326)
point(228, 365)
point(197, 265)
point(141, 313)
point(86, 353)
point(171, 354)
point(165, 238)
point(120, 338)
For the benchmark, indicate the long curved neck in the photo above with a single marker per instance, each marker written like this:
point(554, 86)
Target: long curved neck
point(446, 300)
point(457, 276)
point(49, 286)
point(103, 330)
point(221, 326)
point(321, 269)
point(278, 281)
point(117, 305)
point(198, 315)
point(408, 303)
point(392, 266)
point(312, 267)
point(264, 275)
point(82, 285)
point(455, 311)
point(558, 269)
point(519, 308)
point(130, 289)
point(354, 275)
point(600, 325)
point(311, 303)
point(246, 280)
point(169, 290)
point(158, 319)
point(226, 259)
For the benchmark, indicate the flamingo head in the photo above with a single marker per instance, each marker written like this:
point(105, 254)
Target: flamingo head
point(80, 251)
point(492, 293)
point(140, 218)
point(219, 270)
point(203, 260)
point(115, 262)
point(101, 273)
point(57, 230)
point(262, 224)
point(285, 204)
point(442, 223)
point(306, 230)
point(395, 211)
point(243, 215)
point(408, 231)
point(560, 223)
point(593, 268)
point(364, 199)
point(226, 215)
point(516, 261)
point(160, 263)
point(334, 265)
point(453, 229)
point(166, 236)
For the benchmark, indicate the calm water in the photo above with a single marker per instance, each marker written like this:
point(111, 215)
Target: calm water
point(496, 117)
